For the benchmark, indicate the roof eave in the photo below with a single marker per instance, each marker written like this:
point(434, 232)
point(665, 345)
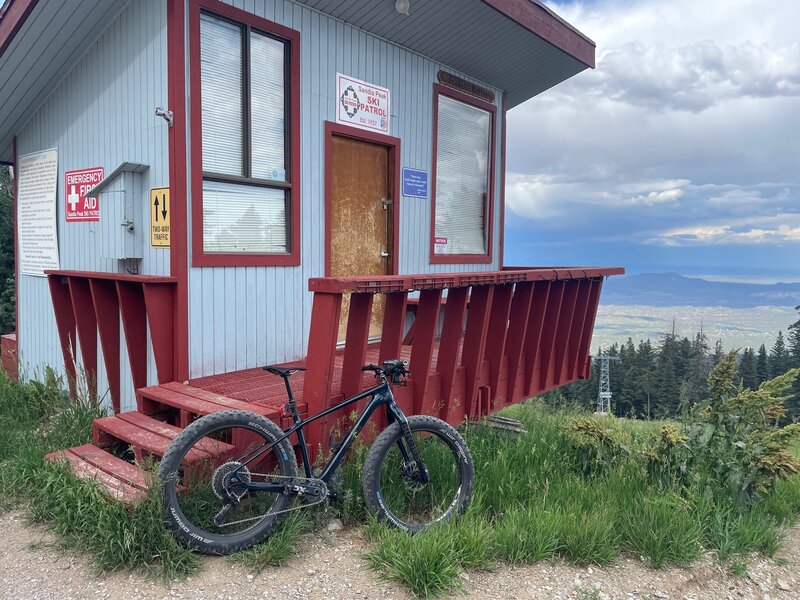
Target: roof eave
point(12, 17)
point(539, 19)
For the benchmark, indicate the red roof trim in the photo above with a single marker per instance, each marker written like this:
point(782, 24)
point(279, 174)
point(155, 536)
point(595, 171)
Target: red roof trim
point(12, 16)
point(539, 19)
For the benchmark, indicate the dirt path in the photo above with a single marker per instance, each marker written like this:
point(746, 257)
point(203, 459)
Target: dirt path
point(331, 569)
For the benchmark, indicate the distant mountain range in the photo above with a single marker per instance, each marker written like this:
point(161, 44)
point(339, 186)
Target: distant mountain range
point(672, 289)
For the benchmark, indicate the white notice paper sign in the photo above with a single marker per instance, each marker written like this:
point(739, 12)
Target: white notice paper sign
point(36, 212)
point(362, 104)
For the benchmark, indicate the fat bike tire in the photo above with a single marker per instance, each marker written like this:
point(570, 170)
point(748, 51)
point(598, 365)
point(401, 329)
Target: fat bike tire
point(446, 457)
point(171, 476)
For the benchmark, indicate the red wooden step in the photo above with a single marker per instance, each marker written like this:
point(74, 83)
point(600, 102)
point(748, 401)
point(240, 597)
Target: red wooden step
point(122, 480)
point(147, 435)
point(195, 401)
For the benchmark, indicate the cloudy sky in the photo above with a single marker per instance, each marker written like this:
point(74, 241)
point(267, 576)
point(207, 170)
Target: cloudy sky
point(680, 152)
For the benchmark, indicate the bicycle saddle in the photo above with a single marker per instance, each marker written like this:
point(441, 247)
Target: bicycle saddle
point(283, 371)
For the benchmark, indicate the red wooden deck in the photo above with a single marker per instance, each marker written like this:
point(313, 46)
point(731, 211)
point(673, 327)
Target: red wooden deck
point(494, 339)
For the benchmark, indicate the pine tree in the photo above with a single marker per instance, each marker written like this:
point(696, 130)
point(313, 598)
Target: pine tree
point(779, 360)
point(694, 388)
point(762, 365)
point(748, 372)
point(793, 335)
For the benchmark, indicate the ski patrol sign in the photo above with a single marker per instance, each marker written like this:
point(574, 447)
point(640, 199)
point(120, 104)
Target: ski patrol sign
point(77, 206)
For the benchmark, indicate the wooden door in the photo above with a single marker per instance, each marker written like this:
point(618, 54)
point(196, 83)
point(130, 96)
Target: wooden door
point(361, 217)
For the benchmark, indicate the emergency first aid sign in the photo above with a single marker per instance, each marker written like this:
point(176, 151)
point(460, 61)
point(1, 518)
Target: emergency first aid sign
point(76, 183)
point(362, 104)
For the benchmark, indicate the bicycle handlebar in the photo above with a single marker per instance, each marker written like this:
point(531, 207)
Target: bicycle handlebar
point(394, 370)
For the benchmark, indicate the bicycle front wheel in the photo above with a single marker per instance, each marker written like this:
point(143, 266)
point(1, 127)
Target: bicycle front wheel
point(206, 506)
point(398, 493)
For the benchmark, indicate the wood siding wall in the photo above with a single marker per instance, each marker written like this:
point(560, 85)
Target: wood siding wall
point(100, 114)
point(243, 317)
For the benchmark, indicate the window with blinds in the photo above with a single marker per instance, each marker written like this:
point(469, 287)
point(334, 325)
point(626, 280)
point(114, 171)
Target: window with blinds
point(463, 152)
point(246, 190)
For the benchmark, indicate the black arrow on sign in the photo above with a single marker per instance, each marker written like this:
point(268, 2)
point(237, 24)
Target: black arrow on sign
point(164, 212)
point(156, 205)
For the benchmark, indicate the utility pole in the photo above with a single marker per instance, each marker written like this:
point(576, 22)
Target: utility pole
point(604, 390)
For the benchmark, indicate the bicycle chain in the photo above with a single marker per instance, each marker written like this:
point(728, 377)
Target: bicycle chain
point(280, 512)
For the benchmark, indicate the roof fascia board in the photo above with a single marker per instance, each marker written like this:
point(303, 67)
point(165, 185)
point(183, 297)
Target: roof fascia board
point(12, 17)
point(539, 19)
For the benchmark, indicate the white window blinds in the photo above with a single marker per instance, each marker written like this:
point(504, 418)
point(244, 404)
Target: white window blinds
point(267, 107)
point(462, 177)
point(221, 84)
point(243, 218)
point(244, 204)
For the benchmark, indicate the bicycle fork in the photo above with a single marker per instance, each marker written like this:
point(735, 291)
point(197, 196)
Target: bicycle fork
point(407, 445)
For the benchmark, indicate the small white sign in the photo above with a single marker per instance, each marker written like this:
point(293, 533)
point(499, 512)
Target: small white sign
point(362, 104)
point(36, 212)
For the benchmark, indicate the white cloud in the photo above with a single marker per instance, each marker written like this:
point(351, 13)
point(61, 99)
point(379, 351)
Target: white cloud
point(685, 134)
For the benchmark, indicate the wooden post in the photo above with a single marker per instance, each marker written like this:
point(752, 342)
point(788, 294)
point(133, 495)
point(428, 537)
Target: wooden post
point(548, 339)
point(159, 303)
point(394, 322)
point(106, 307)
point(496, 335)
point(134, 324)
point(65, 323)
point(355, 346)
point(322, 339)
point(447, 358)
point(517, 329)
point(541, 293)
point(565, 319)
point(422, 348)
point(480, 306)
point(86, 322)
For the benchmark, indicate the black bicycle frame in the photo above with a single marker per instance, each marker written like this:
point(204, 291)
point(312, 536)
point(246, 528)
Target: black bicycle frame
point(381, 394)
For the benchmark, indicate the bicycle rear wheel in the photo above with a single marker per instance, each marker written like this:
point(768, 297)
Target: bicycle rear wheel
point(393, 487)
point(203, 507)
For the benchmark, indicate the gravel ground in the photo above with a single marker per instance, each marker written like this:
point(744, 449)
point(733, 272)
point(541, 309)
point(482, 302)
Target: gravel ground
point(330, 567)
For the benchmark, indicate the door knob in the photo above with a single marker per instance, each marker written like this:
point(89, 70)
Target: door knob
point(384, 254)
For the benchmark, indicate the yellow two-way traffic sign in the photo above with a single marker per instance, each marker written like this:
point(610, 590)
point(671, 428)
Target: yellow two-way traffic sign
point(159, 217)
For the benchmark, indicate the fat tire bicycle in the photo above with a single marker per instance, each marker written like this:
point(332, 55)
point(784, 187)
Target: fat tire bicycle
point(231, 477)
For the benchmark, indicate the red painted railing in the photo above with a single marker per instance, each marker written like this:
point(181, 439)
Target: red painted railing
point(91, 303)
point(504, 336)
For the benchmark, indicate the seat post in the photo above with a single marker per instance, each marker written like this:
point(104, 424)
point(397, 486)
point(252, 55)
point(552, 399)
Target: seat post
point(291, 405)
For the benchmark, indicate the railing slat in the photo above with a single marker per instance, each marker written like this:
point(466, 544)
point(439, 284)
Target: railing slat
point(576, 333)
point(496, 335)
point(65, 324)
point(534, 335)
point(159, 301)
point(322, 339)
point(134, 324)
point(588, 328)
point(422, 349)
point(86, 323)
point(355, 347)
point(547, 340)
point(106, 307)
point(447, 359)
point(517, 329)
point(394, 322)
point(480, 307)
point(565, 319)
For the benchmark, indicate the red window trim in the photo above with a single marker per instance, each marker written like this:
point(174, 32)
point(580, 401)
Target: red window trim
point(450, 259)
point(200, 258)
point(393, 144)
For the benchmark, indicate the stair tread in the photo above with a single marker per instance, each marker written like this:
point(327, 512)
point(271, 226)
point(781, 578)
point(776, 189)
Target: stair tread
point(155, 436)
point(224, 401)
point(199, 405)
point(122, 480)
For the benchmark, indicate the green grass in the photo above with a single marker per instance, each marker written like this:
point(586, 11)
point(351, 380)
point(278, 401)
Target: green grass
point(539, 496)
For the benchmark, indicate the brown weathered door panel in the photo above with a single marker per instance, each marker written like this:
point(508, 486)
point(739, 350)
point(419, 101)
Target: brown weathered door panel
point(360, 209)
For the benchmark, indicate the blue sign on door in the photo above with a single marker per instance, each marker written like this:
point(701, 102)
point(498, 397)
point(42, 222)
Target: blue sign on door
point(415, 183)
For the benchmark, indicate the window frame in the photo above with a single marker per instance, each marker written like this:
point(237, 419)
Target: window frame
point(248, 21)
point(444, 259)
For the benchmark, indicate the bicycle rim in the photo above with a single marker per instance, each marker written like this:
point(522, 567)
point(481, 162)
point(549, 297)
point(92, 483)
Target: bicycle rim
point(408, 501)
point(207, 498)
